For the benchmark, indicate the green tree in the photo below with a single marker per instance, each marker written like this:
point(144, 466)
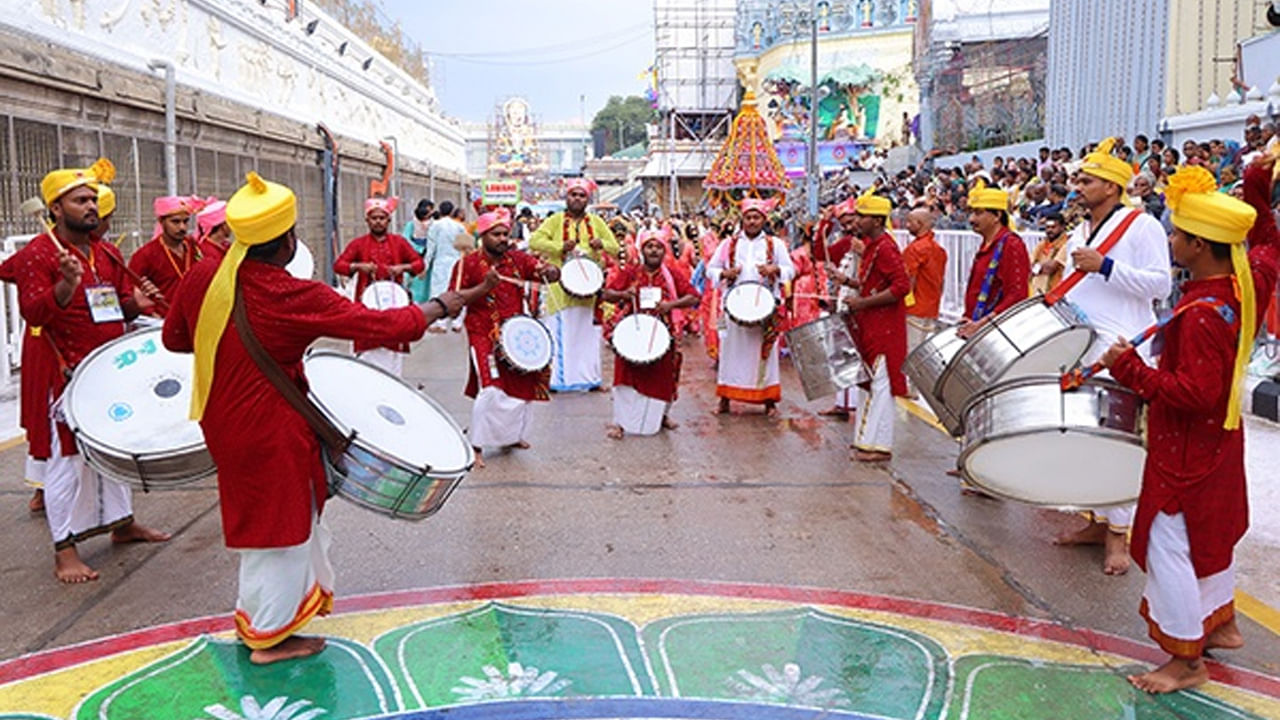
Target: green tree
point(624, 121)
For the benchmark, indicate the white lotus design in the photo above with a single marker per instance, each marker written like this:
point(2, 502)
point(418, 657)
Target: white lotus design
point(518, 681)
point(789, 686)
point(278, 708)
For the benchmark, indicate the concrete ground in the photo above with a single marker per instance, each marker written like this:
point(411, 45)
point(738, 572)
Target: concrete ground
point(739, 498)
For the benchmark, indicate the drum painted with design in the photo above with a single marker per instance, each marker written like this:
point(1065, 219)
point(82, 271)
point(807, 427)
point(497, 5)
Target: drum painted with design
point(408, 454)
point(581, 277)
point(525, 343)
point(641, 339)
point(127, 405)
point(750, 303)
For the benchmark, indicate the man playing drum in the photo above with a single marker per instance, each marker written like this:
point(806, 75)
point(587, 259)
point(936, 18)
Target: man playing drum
point(878, 326)
point(502, 414)
point(643, 393)
point(74, 295)
point(271, 478)
point(1193, 508)
point(842, 257)
point(1117, 295)
point(575, 365)
point(170, 253)
point(998, 279)
point(379, 256)
point(748, 367)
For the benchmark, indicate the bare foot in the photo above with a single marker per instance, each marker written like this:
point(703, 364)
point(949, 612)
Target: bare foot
point(835, 412)
point(137, 532)
point(723, 407)
point(36, 503)
point(872, 456)
point(614, 432)
point(1225, 637)
point(434, 330)
point(479, 459)
point(70, 569)
point(669, 424)
point(522, 445)
point(771, 409)
point(1175, 675)
point(294, 646)
point(1094, 533)
point(1116, 561)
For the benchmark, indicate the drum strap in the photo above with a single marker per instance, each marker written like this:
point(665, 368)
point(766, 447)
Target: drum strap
point(984, 294)
point(1060, 290)
point(330, 436)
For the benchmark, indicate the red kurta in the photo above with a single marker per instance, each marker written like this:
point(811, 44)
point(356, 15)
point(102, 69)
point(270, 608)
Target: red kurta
point(1194, 466)
point(1009, 286)
point(268, 459)
point(67, 334)
point(210, 249)
point(659, 380)
point(484, 323)
point(882, 330)
point(163, 267)
point(391, 250)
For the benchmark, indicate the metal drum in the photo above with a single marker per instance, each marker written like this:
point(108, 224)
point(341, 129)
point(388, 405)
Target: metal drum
point(825, 356)
point(925, 365)
point(385, 295)
point(1030, 338)
point(127, 405)
point(303, 264)
point(581, 277)
point(750, 303)
point(525, 343)
point(408, 453)
point(641, 339)
point(1029, 440)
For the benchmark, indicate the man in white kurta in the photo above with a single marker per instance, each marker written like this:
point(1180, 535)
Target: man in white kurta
point(575, 362)
point(748, 367)
point(1117, 296)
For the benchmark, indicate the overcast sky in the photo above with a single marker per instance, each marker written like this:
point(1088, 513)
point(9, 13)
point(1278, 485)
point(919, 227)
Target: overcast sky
point(552, 52)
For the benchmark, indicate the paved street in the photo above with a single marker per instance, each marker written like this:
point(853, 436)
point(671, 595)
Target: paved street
point(738, 499)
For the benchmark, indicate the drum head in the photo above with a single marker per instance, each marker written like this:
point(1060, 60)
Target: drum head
point(384, 295)
point(749, 302)
point(641, 338)
point(387, 414)
point(1070, 469)
point(581, 277)
point(303, 265)
point(526, 343)
point(1048, 357)
point(132, 396)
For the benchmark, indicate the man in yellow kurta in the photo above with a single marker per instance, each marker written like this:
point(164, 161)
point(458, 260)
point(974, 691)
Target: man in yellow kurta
point(575, 363)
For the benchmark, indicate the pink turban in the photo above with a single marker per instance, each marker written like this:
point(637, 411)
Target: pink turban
point(213, 215)
point(387, 205)
point(761, 206)
point(661, 236)
point(848, 207)
point(171, 205)
point(490, 220)
point(586, 185)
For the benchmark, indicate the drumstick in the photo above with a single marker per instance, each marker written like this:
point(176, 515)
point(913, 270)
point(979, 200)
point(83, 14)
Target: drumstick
point(135, 277)
point(653, 334)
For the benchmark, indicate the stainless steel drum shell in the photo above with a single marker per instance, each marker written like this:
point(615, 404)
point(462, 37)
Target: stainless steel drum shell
point(369, 479)
point(926, 363)
point(824, 356)
point(1028, 440)
point(1030, 338)
point(148, 471)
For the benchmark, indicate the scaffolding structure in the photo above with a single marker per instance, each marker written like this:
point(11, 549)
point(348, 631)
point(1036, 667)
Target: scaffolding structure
point(697, 86)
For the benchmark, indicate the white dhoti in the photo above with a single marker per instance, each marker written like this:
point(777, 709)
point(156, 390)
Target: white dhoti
point(637, 414)
point(33, 473)
point(79, 501)
point(281, 589)
point(498, 420)
point(575, 361)
point(387, 359)
point(875, 425)
point(741, 374)
point(1180, 608)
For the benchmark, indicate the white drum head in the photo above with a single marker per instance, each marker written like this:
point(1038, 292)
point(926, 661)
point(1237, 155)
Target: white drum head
point(641, 338)
point(385, 295)
point(526, 343)
point(303, 265)
point(581, 277)
point(132, 396)
point(750, 302)
point(387, 414)
point(1072, 469)
point(1048, 357)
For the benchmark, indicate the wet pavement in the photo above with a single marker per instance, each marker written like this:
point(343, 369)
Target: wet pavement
point(737, 567)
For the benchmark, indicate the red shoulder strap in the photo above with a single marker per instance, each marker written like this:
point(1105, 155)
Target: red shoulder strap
point(1060, 290)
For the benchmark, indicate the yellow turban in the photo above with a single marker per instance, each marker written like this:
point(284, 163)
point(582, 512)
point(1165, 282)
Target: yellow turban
point(871, 204)
point(257, 213)
point(106, 200)
point(985, 198)
point(64, 180)
point(1101, 163)
point(1200, 210)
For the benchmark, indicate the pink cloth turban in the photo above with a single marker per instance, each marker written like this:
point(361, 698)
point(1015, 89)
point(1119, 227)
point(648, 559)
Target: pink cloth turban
point(213, 215)
point(490, 220)
point(761, 206)
point(586, 185)
point(387, 205)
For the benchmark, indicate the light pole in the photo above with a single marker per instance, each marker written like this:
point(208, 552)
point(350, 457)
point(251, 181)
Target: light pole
point(812, 173)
